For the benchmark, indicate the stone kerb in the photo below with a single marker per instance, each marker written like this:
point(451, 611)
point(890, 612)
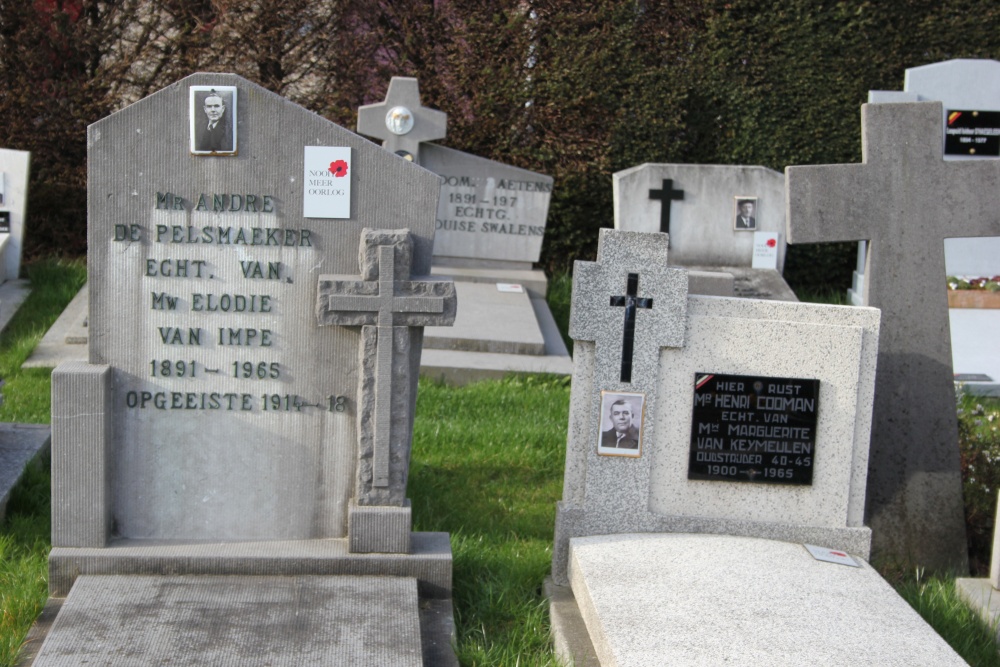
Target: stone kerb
point(702, 209)
point(652, 492)
point(230, 413)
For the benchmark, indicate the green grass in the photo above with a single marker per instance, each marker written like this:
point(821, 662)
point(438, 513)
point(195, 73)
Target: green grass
point(54, 283)
point(24, 535)
point(559, 299)
point(938, 602)
point(487, 468)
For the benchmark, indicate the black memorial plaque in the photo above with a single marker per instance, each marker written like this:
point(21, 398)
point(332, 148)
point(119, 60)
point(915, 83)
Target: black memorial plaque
point(5, 222)
point(753, 429)
point(973, 133)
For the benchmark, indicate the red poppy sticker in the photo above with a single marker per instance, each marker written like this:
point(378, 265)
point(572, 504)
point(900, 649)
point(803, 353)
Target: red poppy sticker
point(338, 168)
point(772, 243)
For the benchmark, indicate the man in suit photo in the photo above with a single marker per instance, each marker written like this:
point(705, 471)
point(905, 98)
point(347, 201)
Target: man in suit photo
point(622, 434)
point(215, 132)
point(745, 217)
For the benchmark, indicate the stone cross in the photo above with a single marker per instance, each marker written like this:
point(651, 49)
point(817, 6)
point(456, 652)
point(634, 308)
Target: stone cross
point(905, 200)
point(400, 121)
point(388, 306)
point(637, 261)
point(666, 194)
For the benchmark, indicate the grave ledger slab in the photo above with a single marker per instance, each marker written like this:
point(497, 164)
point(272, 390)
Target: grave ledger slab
point(905, 200)
point(217, 427)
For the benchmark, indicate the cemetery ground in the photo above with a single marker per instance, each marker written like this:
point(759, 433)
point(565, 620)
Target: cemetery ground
point(487, 467)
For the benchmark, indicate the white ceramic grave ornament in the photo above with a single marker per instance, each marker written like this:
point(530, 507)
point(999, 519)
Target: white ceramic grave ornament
point(399, 120)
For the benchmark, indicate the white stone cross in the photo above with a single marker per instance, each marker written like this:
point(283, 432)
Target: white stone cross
point(905, 199)
point(386, 304)
point(400, 121)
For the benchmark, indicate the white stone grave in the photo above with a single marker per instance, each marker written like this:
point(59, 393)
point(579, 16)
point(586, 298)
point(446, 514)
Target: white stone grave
point(240, 435)
point(489, 230)
point(751, 419)
point(14, 169)
point(699, 207)
point(14, 172)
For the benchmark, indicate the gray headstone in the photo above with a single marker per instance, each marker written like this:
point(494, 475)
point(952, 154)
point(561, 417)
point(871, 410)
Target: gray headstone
point(488, 233)
point(250, 389)
point(401, 122)
point(676, 339)
point(961, 84)
point(14, 168)
point(905, 200)
point(490, 214)
point(231, 414)
point(702, 209)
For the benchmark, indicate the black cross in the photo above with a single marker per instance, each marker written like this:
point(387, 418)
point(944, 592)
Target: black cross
point(631, 302)
point(666, 195)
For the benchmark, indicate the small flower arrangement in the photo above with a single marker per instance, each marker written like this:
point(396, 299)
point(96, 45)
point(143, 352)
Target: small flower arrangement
point(985, 284)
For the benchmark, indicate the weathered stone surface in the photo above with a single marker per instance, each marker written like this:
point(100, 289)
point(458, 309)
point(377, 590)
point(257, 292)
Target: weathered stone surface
point(389, 306)
point(289, 472)
point(490, 212)
point(905, 200)
point(964, 84)
point(240, 621)
point(215, 430)
point(652, 600)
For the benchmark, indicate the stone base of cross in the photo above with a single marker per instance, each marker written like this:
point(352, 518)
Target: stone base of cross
point(391, 310)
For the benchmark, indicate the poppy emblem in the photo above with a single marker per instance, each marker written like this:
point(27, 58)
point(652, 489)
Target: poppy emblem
point(338, 168)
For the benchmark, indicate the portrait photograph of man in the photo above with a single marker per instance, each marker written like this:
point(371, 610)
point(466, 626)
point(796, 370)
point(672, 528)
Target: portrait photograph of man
point(213, 120)
point(621, 424)
point(746, 213)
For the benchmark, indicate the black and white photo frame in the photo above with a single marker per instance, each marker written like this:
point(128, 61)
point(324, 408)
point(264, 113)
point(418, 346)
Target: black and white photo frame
point(745, 213)
point(620, 426)
point(213, 116)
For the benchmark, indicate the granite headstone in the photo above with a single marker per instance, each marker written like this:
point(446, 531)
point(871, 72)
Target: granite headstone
point(703, 215)
point(969, 91)
point(742, 428)
point(905, 200)
point(715, 468)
